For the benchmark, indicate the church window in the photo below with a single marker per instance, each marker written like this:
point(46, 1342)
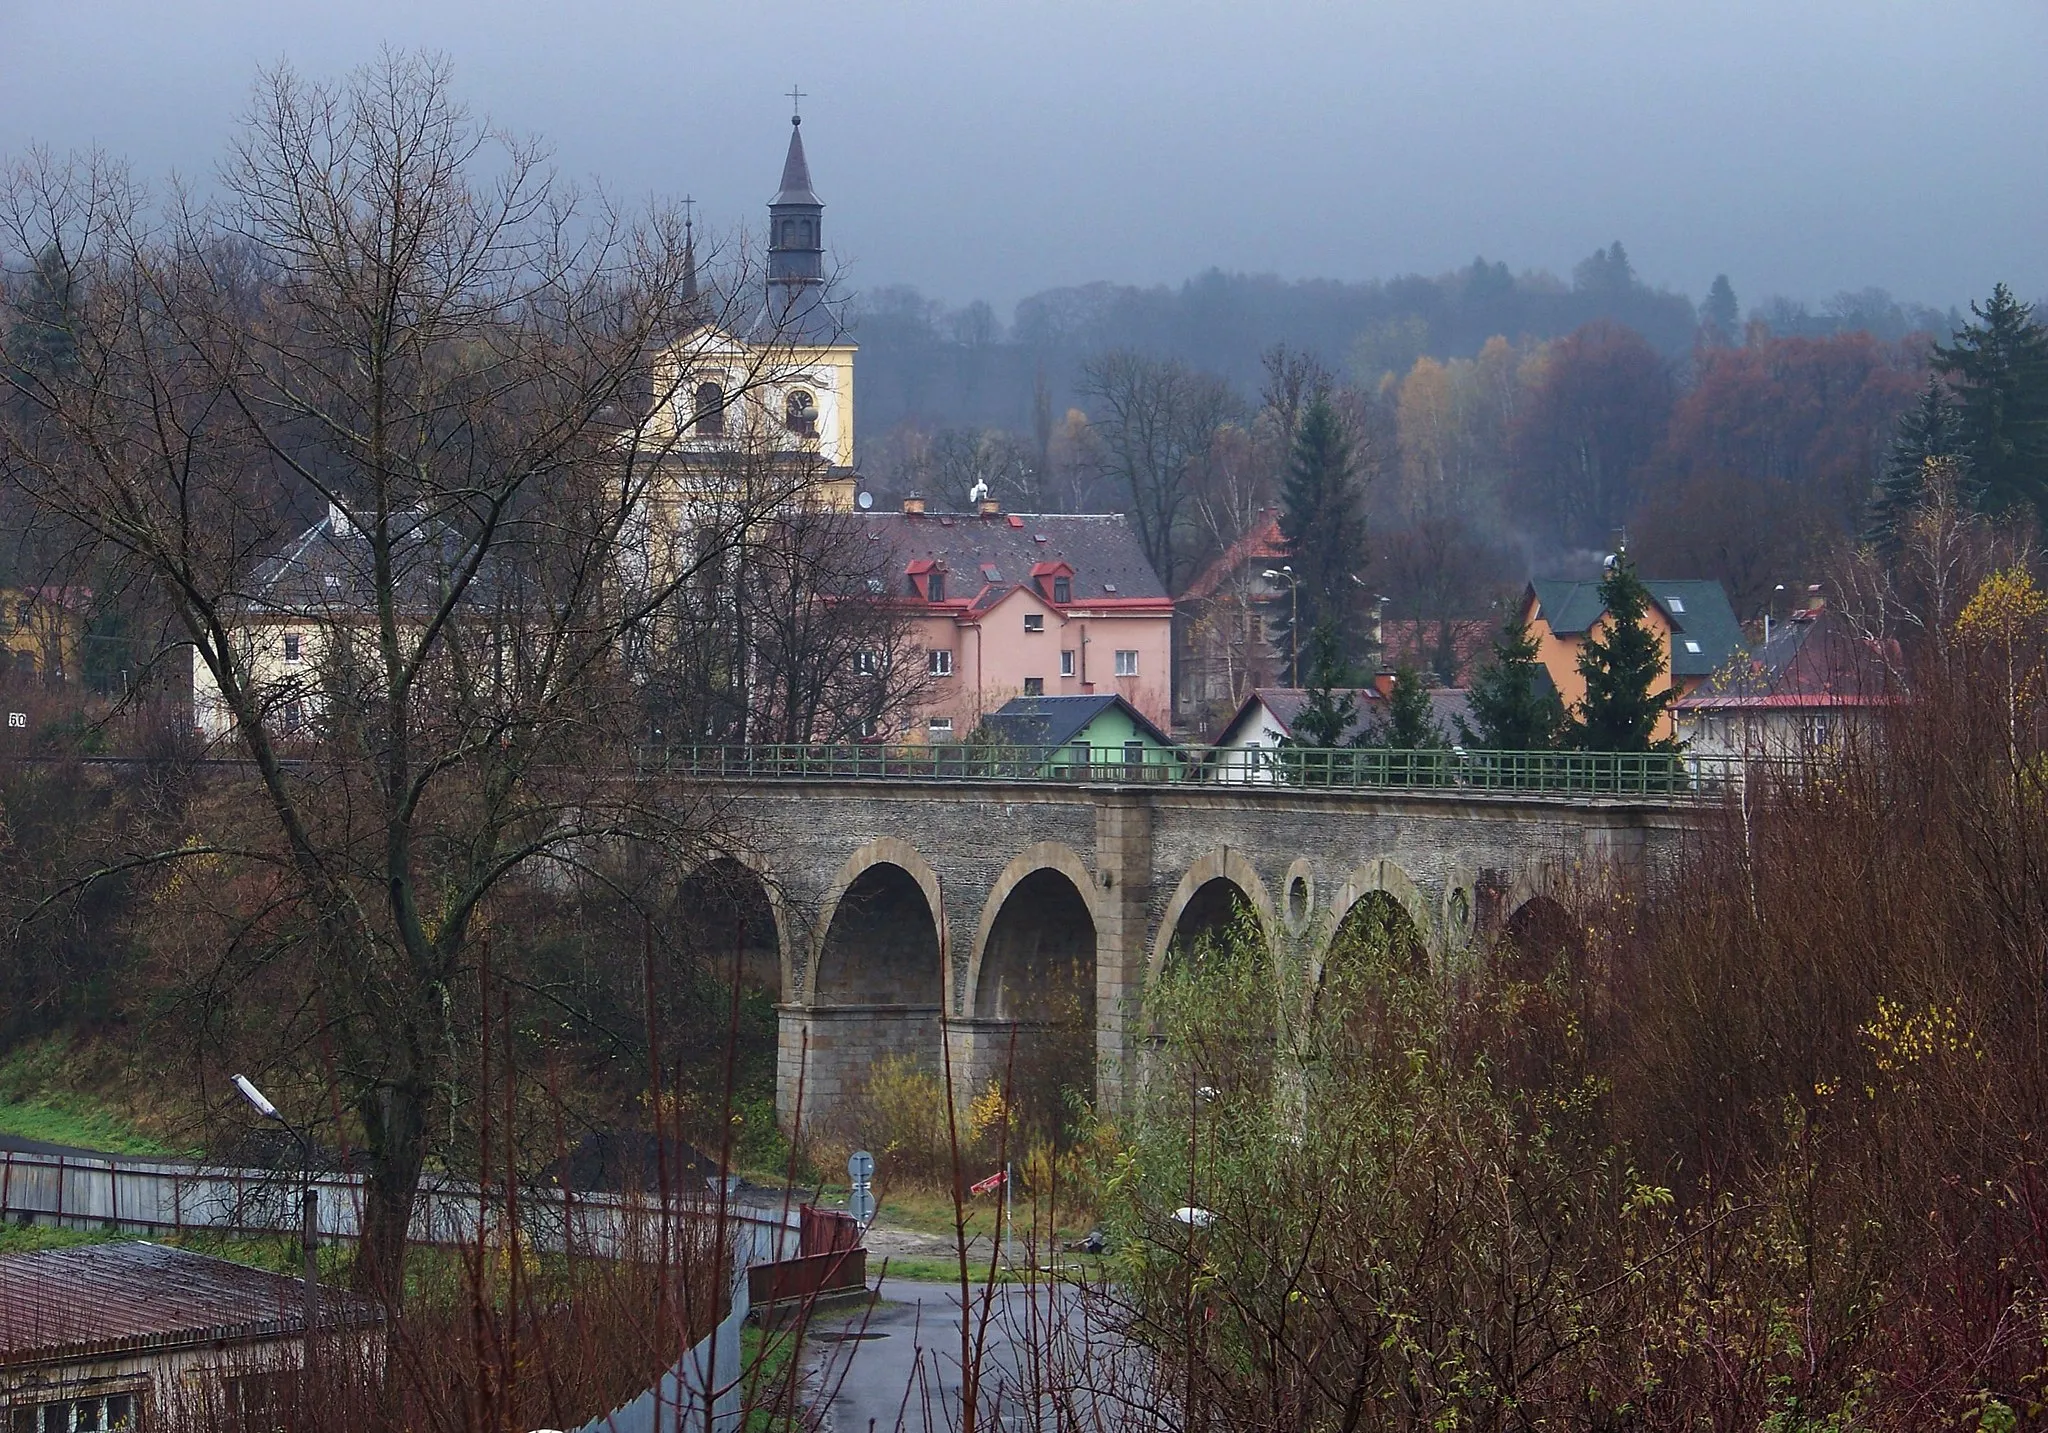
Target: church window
point(710, 410)
point(807, 233)
point(800, 413)
point(789, 233)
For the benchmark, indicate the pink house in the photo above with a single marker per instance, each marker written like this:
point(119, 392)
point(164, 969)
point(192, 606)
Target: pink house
point(1026, 604)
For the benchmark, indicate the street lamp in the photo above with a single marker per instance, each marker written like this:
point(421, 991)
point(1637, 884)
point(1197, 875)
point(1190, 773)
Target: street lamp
point(1286, 574)
point(309, 1207)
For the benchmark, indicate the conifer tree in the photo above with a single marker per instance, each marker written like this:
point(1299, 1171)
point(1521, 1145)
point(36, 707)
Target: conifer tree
point(1331, 710)
point(1932, 428)
point(1410, 724)
point(1621, 663)
point(1720, 316)
point(1513, 699)
point(1322, 521)
point(1998, 368)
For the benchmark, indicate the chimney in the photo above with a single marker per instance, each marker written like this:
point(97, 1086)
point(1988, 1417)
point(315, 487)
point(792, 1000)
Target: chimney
point(1383, 683)
point(989, 507)
point(913, 506)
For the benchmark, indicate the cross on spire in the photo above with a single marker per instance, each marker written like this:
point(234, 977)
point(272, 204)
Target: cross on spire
point(689, 211)
point(796, 96)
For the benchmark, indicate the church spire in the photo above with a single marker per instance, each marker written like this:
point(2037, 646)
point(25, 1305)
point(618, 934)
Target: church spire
point(689, 256)
point(796, 227)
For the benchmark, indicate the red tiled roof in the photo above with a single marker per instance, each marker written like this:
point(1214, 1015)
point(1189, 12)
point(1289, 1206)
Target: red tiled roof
point(1414, 642)
point(1262, 544)
point(109, 1298)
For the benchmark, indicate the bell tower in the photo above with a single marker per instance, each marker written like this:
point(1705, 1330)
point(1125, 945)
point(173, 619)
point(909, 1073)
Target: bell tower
point(796, 217)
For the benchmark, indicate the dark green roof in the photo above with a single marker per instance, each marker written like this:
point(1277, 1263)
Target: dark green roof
point(1698, 611)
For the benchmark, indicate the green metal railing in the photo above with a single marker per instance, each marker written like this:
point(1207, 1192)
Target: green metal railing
point(1564, 773)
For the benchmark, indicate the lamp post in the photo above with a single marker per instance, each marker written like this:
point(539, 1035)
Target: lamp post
point(309, 1208)
point(1286, 574)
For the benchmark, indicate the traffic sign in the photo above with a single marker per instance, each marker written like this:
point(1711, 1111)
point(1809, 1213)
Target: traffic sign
point(860, 1166)
point(989, 1185)
point(860, 1203)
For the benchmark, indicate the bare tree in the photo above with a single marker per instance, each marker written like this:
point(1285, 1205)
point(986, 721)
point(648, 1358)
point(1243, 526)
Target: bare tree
point(1157, 421)
point(399, 362)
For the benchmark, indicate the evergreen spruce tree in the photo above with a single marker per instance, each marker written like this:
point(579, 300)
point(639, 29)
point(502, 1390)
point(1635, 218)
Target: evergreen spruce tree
point(1932, 428)
point(1998, 368)
point(1331, 709)
point(1410, 724)
point(42, 345)
point(1621, 663)
point(1720, 316)
point(1513, 699)
point(1323, 523)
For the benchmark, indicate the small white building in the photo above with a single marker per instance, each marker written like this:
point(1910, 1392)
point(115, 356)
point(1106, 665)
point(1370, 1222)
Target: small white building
point(1247, 750)
point(111, 1336)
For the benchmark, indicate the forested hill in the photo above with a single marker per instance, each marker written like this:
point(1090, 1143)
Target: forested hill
point(927, 364)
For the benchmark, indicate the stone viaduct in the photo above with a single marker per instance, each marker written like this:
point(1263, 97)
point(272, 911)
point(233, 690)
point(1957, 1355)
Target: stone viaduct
point(907, 915)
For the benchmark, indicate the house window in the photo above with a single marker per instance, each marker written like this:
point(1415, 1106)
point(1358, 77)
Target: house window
point(294, 715)
point(935, 586)
point(1078, 756)
point(939, 728)
point(1126, 663)
point(869, 728)
point(76, 1415)
point(291, 646)
point(1692, 646)
point(941, 662)
point(1067, 662)
point(866, 664)
point(1034, 621)
point(1034, 686)
point(709, 410)
point(1063, 589)
point(1676, 604)
point(22, 613)
point(800, 413)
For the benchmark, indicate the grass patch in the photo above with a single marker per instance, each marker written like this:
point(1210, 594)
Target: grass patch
point(44, 1097)
point(35, 1238)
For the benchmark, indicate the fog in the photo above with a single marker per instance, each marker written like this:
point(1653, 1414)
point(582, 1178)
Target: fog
point(984, 151)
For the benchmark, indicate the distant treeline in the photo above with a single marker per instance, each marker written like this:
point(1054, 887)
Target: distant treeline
point(935, 366)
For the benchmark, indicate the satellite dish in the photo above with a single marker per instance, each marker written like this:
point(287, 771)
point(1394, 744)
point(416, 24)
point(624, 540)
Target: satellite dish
point(979, 491)
point(865, 501)
point(1611, 562)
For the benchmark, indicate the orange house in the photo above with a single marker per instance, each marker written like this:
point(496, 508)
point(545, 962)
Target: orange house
point(1695, 628)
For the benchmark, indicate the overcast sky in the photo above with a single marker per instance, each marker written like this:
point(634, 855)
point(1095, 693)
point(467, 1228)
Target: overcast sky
point(991, 150)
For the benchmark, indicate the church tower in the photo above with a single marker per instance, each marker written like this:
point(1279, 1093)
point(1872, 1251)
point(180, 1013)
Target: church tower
point(796, 222)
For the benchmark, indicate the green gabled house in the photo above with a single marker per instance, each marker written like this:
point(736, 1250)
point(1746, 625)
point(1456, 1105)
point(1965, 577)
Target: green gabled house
point(1086, 736)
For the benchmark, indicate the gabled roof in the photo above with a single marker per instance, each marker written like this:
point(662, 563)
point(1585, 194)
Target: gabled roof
point(1698, 612)
point(1263, 544)
point(329, 569)
point(1286, 704)
point(1412, 641)
point(1055, 721)
point(1108, 562)
point(1811, 659)
point(100, 1299)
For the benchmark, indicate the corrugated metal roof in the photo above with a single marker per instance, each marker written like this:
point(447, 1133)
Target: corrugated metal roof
point(99, 1299)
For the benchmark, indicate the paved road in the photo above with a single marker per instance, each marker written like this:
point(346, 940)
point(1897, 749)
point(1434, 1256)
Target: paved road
point(1044, 1362)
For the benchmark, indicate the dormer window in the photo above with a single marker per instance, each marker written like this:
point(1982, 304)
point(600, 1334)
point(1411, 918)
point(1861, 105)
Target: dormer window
point(1063, 589)
point(935, 586)
point(800, 413)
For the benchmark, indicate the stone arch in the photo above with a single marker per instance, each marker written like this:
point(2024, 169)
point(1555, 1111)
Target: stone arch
point(1030, 1014)
point(1039, 856)
point(1382, 877)
point(871, 898)
point(1538, 930)
point(1221, 865)
point(735, 889)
